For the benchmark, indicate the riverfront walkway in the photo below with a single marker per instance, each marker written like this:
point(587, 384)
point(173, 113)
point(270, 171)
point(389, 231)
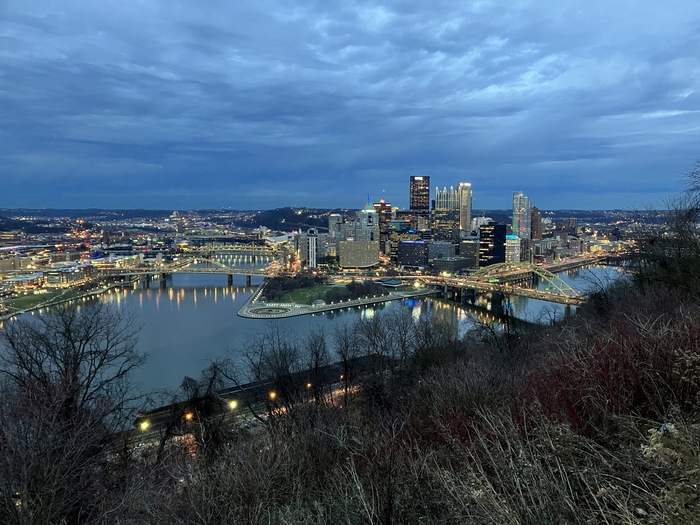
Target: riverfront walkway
point(255, 309)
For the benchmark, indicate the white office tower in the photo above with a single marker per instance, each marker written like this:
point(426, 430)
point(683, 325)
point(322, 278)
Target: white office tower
point(512, 249)
point(312, 248)
point(522, 215)
point(464, 193)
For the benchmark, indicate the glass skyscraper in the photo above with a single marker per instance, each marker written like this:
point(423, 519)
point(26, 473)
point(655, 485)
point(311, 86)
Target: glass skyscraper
point(419, 192)
point(522, 215)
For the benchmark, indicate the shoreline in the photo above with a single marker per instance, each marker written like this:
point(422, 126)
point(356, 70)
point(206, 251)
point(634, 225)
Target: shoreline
point(251, 309)
point(7, 317)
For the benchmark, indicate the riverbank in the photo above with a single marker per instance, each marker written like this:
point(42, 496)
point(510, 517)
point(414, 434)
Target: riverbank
point(255, 309)
point(66, 296)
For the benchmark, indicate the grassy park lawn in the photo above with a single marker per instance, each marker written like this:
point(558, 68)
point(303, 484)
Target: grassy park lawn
point(30, 301)
point(309, 295)
point(306, 295)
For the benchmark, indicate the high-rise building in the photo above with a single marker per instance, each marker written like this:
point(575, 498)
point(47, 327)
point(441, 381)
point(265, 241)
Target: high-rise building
point(512, 249)
point(521, 215)
point(419, 196)
point(464, 193)
point(445, 223)
point(383, 210)
point(452, 213)
point(492, 244)
point(312, 247)
point(536, 224)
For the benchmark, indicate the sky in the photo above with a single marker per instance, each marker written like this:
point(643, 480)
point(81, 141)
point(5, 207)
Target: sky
point(257, 104)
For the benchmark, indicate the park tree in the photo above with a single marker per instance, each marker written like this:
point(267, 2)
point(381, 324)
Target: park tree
point(65, 384)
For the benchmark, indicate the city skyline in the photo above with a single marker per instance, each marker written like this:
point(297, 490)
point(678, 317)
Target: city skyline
point(259, 106)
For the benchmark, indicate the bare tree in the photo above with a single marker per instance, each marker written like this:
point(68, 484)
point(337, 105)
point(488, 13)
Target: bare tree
point(316, 357)
point(672, 256)
point(84, 354)
point(65, 390)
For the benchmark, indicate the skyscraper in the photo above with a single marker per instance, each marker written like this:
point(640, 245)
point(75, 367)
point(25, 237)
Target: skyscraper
point(419, 196)
point(384, 216)
point(536, 224)
point(464, 193)
point(521, 215)
point(445, 223)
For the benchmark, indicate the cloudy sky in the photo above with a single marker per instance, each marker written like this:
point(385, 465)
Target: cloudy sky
point(267, 103)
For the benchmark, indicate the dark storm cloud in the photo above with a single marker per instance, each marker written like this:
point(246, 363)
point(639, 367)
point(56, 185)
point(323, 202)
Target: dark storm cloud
point(270, 103)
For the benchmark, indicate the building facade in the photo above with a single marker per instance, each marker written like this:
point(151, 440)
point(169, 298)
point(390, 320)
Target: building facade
point(419, 196)
point(492, 244)
point(521, 215)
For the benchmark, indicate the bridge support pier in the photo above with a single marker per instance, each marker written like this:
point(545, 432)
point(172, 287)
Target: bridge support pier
point(230, 280)
point(247, 280)
point(567, 311)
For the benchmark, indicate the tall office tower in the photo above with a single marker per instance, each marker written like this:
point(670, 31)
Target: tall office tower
point(536, 224)
point(492, 244)
point(419, 196)
point(521, 215)
point(383, 210)
point(312, 247)
point(445, 223)
point(464, 193)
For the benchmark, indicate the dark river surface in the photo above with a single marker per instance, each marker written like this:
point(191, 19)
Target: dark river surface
point(194, 319)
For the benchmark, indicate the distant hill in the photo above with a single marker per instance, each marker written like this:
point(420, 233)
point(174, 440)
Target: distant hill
point(287, 219)
point(93, 213)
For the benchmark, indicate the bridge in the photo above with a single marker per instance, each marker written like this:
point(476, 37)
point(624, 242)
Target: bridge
point(237, 249)
point(508, 278)
point(185, 266)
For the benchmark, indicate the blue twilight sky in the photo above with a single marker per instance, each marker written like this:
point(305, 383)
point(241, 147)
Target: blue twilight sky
point(267, 103)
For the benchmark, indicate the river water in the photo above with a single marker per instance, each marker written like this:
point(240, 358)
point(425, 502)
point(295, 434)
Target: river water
point(194, 320)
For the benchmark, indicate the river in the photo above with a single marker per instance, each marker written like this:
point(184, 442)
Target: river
point(194, 318)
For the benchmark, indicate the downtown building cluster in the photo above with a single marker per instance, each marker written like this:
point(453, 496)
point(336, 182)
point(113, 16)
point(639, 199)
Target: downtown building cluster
point(439, 233)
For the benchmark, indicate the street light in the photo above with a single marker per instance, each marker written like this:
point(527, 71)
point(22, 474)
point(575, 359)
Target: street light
point(233, 404)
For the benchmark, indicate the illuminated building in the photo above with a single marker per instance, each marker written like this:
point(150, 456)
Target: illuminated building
point(492, 244)
point(413, 253)
point(383, 210)
point(464, 193)
point(521, 215)
point(358, 254)
point(512, 249)
point(419, 196)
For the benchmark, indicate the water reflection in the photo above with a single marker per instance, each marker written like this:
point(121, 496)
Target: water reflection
point(194, 318)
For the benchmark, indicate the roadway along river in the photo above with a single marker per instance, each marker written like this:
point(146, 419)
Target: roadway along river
point(194, 319)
